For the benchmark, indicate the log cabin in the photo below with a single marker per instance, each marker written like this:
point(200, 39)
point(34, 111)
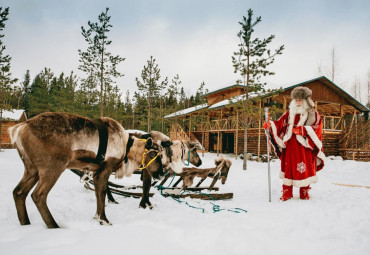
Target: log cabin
point(9, 119)
point(218, 124)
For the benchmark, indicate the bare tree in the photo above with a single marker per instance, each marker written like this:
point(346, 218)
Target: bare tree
point(356, 88)
point(334, 65)
point(331, 68)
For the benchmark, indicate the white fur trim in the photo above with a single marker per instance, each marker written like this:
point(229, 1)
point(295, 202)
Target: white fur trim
point(298, 183)
point(321, 156)
point(302, 140)
point(314, 137)
point(277, 138)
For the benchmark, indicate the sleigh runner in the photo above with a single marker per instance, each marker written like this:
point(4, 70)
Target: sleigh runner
point(219, 172)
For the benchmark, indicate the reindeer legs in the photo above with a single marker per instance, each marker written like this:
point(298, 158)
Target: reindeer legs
point(40, 194)
point(101, 184)
point(20, 193)
point(147, 181)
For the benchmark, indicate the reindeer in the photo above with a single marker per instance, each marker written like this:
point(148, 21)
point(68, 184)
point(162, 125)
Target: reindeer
point(222, 167)
point(174, 155)
point(49, 143)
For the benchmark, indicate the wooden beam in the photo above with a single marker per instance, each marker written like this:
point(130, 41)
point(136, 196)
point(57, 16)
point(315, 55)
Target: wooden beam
point(341, 118)
point(189, 125)
point(237, 132)
point(284, 104)
point(259, 132)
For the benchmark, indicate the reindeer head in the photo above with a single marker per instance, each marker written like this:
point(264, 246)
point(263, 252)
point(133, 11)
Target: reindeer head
point(193, 155)
point(152, 159)
point(225, 165)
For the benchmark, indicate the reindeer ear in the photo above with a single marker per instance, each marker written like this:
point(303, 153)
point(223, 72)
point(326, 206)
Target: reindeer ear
point(218, 160)
point(149, 143)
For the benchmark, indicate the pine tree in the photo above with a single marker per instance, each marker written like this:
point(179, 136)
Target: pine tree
point(39, 95)
point(150, 85)
point(199, 99)
point(5, 76)
point(96, 60)
point(26, 89)
point(251, 62)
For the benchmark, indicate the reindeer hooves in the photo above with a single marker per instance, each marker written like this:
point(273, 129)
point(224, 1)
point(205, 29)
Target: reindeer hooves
point(101, 221)
point(113, 202)
point(146, 205)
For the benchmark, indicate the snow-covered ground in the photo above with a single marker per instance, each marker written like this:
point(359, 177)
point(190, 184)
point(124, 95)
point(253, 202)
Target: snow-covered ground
point(335, 221)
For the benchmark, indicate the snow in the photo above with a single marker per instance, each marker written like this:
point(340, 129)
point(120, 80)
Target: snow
point(187, 111)
point(12, 115)
point(335, 221)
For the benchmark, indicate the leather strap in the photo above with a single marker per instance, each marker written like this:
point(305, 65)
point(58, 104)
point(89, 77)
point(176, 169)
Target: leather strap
point(103, 140)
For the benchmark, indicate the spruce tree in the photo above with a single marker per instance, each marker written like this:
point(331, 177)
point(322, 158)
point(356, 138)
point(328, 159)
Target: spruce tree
point(39, 99)
point(251, 62)
point(26, 88)
point(201, 91)
point(150, 86)
point(97, 61)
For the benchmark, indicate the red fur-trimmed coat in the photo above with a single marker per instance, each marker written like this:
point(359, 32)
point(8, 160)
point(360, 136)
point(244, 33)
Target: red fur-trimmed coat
point(301, 155)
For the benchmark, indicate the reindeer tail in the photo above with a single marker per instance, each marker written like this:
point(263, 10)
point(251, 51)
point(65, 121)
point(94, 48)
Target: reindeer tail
point(14, 132)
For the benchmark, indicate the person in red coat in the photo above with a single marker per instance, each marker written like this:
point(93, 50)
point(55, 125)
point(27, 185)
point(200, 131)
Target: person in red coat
point(297, 140)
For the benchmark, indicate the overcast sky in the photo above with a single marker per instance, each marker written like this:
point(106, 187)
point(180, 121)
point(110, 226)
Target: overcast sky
point(194, 38)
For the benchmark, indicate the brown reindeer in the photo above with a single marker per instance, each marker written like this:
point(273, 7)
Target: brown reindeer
point(222, 168)
point(52, 142)
point(181, 153)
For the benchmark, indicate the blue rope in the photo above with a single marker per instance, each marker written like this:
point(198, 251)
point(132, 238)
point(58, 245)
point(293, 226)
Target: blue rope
point(216, 208)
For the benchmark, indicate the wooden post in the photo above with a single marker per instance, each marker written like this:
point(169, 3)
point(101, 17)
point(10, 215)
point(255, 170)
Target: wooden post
point(341, 118)
point(176, 129)
point(259, 133)
point(316, 105)
point(218, 133)
point(237, 132)
point(284, 105)
point(189, 125)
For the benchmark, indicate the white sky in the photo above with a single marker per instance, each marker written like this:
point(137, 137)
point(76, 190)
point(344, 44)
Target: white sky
point(195, 38)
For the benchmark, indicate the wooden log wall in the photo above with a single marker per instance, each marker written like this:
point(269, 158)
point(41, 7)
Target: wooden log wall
point(355, 154)
point(330, 142)
point(5, 138)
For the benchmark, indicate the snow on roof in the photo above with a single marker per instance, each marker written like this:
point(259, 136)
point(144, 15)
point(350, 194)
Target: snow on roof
point(233, 100)
point(12, 115)
point(187, 111)
point(228, 101)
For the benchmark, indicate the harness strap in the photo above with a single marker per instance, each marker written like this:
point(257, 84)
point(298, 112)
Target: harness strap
point(130, 142)
point(103, 140)
point(151, 161)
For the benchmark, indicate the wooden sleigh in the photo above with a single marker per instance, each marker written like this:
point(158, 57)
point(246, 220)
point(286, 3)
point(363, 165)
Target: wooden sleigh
point(219, 172)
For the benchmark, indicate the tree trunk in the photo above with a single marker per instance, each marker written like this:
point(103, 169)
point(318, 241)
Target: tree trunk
point(246, 118)
point(101, 81)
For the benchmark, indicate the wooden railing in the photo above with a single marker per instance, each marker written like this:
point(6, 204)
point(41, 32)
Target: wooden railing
point(177, 133)
point(355, 143)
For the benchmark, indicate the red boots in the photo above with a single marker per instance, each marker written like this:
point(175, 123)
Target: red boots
point(303, 192)
point(287, 193)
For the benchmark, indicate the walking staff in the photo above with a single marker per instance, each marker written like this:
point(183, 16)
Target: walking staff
point(267, 120)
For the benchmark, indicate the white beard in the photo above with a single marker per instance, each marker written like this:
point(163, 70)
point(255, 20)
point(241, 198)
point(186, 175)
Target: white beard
point(295, 109)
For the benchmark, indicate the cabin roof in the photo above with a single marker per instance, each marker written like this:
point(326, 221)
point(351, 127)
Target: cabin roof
point(345, 97)
point(231, 87)
point(186, 111)
point(355, 103)
point(14, 115)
